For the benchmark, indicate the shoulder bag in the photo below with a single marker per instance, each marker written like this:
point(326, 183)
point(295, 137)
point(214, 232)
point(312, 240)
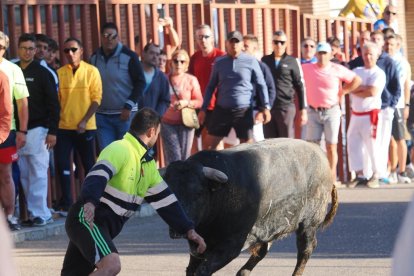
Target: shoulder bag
point(188, 114)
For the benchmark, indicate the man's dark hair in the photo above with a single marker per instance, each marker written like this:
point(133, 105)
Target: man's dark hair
point(163, 53)
point(26, 37)
point(251, 37)
point(391, 36)
point(53, 45)
point(143, 120)
point(334, 41)
point(109, 25)
point(146, 48)
point(279, 33)
point(42, 38)
point(74, 39)
point(388, 31)
point(378, 32)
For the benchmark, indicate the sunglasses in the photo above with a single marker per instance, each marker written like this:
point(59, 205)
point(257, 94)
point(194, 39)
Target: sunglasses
point(2, 47)
point(281, 42)
point(67, 50)
point(201, 37)
point(308, 46)
point(110, 36)
point(389, 13)
point(176, 61)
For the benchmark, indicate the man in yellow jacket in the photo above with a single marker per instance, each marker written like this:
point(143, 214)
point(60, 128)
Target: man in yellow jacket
point(364, 9)
point(80, 94)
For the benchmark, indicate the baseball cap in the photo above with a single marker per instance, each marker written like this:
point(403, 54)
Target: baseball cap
point(323, 47)
point(235, 35)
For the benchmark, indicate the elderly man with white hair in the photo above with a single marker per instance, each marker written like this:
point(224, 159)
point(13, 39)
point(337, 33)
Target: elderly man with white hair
point(366, 107)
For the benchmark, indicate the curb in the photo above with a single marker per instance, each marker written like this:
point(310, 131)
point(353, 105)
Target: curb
point(58, 227)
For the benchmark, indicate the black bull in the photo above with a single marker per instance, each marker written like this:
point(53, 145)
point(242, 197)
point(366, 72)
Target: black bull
point(253, 194)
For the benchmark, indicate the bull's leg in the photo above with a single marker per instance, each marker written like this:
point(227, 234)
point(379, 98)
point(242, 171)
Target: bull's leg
point(193, 265)
point(259, 253)
point(218, 257)
point(305, 243)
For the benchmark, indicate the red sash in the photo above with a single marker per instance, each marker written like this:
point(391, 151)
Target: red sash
point(373, 115)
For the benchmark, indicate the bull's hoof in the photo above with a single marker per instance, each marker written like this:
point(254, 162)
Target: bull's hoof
point(243, 272)
point(202, 271)
point(189, 272)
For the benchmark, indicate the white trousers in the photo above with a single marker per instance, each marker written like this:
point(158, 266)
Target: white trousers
point(383, 140)
point(361, 143)
point(33, 164)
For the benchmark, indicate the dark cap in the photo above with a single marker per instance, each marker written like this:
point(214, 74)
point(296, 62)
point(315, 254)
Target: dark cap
point(235, 35)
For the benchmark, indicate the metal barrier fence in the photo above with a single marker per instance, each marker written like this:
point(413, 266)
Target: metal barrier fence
point(56, 18)
point(60, 19)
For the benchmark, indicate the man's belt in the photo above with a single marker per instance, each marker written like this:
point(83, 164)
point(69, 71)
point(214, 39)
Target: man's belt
point(322, 108)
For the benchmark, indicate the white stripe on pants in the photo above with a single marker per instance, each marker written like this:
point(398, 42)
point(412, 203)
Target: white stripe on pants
point(361, 142)
point(33, 164)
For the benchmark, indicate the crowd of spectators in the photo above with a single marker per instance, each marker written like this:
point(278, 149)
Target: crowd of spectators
point(83, 106)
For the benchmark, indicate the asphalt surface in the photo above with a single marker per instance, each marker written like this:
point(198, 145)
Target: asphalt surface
point(359, 242)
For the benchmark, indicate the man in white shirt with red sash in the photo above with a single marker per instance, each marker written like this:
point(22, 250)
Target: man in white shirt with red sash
point(366, 107)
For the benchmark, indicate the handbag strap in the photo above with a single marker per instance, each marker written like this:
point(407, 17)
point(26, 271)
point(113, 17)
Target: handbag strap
point(172, 86)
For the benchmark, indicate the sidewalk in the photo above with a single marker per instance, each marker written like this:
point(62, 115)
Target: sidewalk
point(58, 227)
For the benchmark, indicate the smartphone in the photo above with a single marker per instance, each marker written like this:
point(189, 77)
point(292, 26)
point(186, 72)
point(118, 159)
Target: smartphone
point(161, 13)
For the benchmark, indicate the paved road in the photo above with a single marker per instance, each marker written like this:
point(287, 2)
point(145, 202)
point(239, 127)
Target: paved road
point(359, 242)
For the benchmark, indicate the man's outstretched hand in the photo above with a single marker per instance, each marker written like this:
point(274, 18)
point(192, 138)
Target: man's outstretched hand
point(193, 236)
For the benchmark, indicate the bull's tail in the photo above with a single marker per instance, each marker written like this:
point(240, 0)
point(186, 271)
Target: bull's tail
point(334, 207)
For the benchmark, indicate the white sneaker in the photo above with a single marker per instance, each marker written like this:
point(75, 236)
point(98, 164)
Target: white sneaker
point(403, 178)
point(393, 178)
point(410, 170)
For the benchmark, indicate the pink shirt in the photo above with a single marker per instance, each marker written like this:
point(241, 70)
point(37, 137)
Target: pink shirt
point(187, 88)
point(323, 84)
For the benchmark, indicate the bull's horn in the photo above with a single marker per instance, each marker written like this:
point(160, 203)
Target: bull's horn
point(215, 175)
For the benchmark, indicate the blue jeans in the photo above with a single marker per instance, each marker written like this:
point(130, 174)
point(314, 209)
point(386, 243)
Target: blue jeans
point(67, 141)
point(111, 128)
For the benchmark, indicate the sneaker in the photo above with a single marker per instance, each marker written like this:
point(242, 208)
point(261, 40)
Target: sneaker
point(358, 181)
point(393, 178)
point(37, 221)
point(384, 181)
point(27, 223)
point(410, 170)
point(13, 223)
point(373, 182)
point(403, 178)
point(50, 220)
point(62, 211)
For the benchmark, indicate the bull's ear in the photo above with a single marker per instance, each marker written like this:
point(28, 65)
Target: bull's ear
point(215, 175)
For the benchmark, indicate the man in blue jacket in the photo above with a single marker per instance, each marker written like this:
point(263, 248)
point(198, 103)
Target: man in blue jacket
point(156, 93)
point(122, 80)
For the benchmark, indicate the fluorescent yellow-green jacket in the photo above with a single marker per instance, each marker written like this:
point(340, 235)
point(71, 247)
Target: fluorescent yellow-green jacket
point(123, 177)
